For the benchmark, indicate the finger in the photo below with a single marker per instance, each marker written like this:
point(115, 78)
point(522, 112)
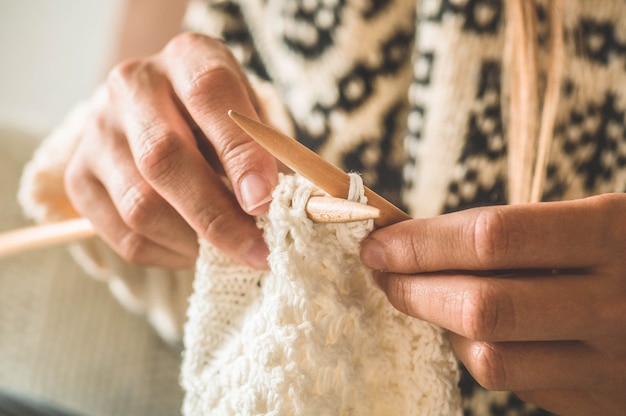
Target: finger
point(209, 83)
point(569, 235)
point(575, 402)
point(90, 198)
point(164, 150)
point(504, 308)
point(141, 208)
point(520, 366)
point(564, 402)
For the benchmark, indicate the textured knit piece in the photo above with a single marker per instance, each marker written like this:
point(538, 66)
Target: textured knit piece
point(314, 336)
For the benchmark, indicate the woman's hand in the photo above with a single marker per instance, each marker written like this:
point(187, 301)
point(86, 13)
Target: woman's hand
point(534, 296)
point(148, 171)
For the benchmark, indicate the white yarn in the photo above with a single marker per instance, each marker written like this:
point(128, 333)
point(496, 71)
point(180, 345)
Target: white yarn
point(314, 336)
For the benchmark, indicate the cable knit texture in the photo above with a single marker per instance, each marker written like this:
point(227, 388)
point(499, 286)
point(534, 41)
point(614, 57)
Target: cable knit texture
point(409, 94)
point(314, 336)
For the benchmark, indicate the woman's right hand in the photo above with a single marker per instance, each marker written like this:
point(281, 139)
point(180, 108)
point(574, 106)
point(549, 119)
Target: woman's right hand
point(148, 171)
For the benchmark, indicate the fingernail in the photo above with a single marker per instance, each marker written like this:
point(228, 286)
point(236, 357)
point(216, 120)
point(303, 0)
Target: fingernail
point(257, 254)
point(373, 255)
point(255, 192)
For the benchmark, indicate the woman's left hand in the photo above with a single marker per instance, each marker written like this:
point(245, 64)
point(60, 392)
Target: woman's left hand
point(534, 296)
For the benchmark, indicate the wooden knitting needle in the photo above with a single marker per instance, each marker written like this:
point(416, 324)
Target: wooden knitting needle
point(335, 209)
point(309, 164)
point(318, 208)
point(328, 209)
point(40, 236)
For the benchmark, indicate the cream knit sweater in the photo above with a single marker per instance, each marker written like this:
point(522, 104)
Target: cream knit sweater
point(314, 336)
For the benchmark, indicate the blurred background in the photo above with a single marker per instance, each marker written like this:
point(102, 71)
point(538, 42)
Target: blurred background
point(63, 339)
point(52, 54)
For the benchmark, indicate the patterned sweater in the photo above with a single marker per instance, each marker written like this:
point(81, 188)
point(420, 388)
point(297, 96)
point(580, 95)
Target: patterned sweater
point(407, 92)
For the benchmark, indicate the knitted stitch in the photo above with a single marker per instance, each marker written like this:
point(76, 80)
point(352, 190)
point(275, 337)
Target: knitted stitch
point(314, 336)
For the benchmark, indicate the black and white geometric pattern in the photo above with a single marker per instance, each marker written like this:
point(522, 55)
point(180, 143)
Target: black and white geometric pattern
point(310, 25)
point(306, 33)
point(464, 38)
point(480, 172)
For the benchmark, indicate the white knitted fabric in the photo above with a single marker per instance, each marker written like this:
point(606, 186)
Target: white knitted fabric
point(314, 336)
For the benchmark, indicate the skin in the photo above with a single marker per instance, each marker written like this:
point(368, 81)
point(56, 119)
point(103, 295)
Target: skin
point(149, 171)
point(533, 296)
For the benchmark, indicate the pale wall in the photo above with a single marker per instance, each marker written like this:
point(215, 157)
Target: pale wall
point(52, 53)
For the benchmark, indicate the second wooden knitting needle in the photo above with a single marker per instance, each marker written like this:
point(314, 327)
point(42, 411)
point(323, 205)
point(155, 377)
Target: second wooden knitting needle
point(322, 209)
point(327, 209)
point(307, 163)
point(46, 235)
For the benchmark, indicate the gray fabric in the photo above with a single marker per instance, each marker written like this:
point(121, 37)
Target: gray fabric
point(12, 404)
point(63, 337)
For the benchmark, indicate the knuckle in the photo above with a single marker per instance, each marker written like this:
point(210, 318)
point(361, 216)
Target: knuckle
point(183, 41)
point(487, 364)
point(137, 208)
point(212, 77)
point(611, 201)
point(123, 75)
point(218, 67)
point(481, 313)
point(79, 183)
point(403, 296)
point(160, 153)
point(610, 206)
point(227, 231)
point(133, 248)
point(236, 154)
point(416, 251)
point(490, 238)
point(75, 178)
point(217, 226)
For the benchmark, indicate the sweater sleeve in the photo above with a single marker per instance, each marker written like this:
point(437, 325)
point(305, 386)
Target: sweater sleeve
point(159, 294)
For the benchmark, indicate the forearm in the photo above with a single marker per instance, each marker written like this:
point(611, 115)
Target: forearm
point(145, 27)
